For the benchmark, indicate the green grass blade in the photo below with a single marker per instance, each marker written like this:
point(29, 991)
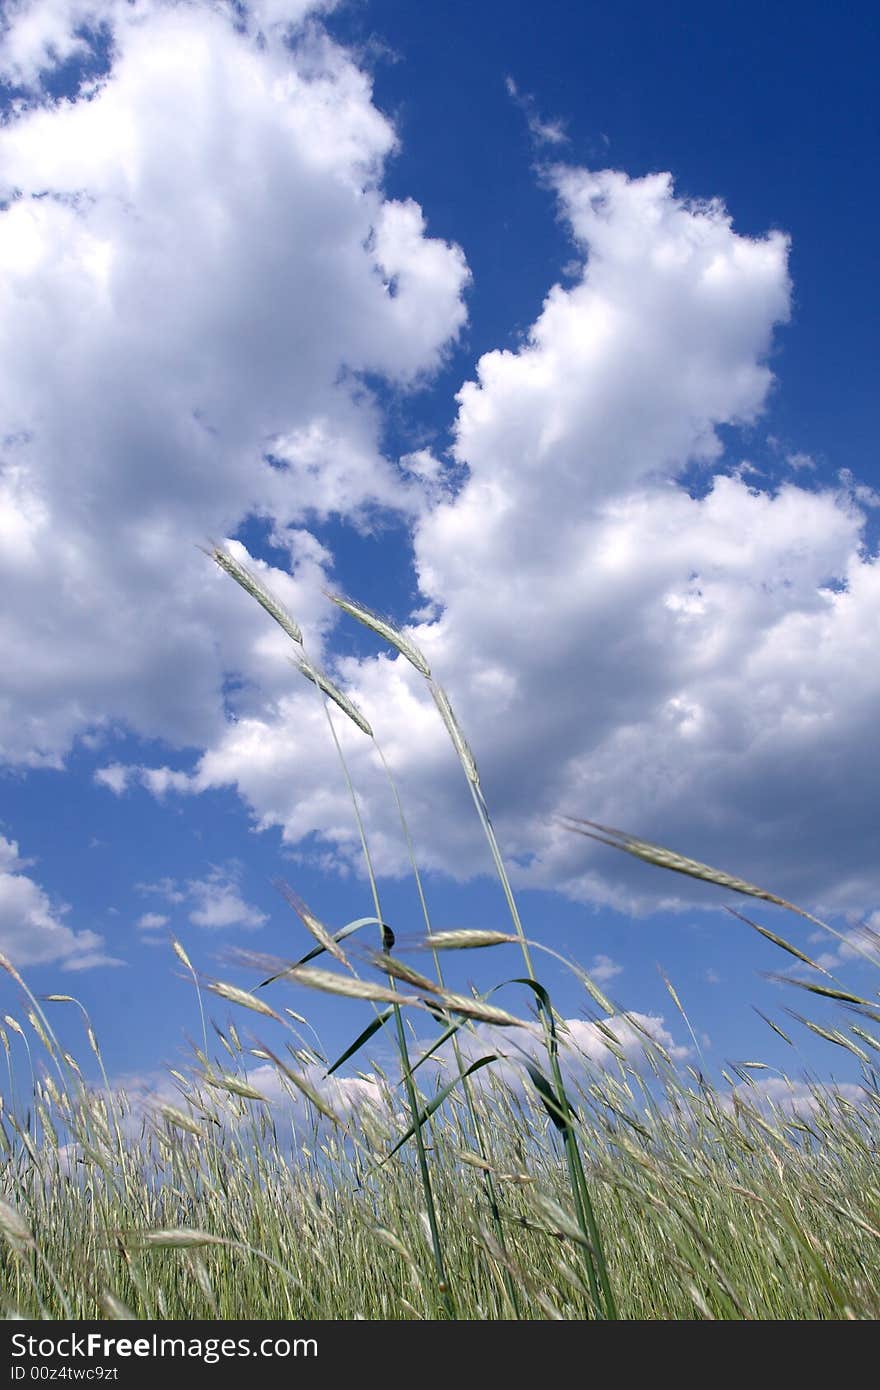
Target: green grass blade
point(438, 1100)
point(362, 1039)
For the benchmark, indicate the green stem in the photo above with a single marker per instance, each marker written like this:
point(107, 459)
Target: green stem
point(482, 1149)
point(411, 1092)
point(596, 1266)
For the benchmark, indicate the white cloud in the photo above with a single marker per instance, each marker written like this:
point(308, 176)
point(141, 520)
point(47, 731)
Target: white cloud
point(629, 372)
point(198, 269)
point(785, 1097)
point(346, 1096)
point(695, 668)
point(166, 888)
point(218, 902)
point(857, 945)
point(286, 13)
point(210, 270)
point(365, 1099)
point(115, 776)
point(157, 780)
point(151, 921)
point(542, 131)
point(584, 1047)
point(860, 493)
point(214, 901)
point(160, 780)
point(368, 1098)
point(633, 1033)
point(800, 461)
point(36, 38)
point(32, 931)
point(603, 969)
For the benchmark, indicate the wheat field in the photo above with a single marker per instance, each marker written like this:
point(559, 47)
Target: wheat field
point(489, 1171)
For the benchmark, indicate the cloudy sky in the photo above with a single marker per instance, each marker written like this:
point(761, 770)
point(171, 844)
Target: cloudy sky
point(549, 333)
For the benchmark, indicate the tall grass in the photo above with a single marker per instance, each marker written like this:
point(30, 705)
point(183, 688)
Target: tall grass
point(232, 1208)
point(490, 1173)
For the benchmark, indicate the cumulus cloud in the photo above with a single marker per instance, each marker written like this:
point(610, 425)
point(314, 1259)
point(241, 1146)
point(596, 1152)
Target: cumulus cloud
point(214, 901)
point(199, 270)
point(159, 1098)
point(36, 38)
point(629, 372)
point(586, 1050)
point(32, 930)
point(787, 1098)
point(693, 664)
point(346, 1096)
point(631, 1034)
point(201, 275)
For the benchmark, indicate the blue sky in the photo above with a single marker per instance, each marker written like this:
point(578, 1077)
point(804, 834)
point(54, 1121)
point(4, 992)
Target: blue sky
point(547, 331)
